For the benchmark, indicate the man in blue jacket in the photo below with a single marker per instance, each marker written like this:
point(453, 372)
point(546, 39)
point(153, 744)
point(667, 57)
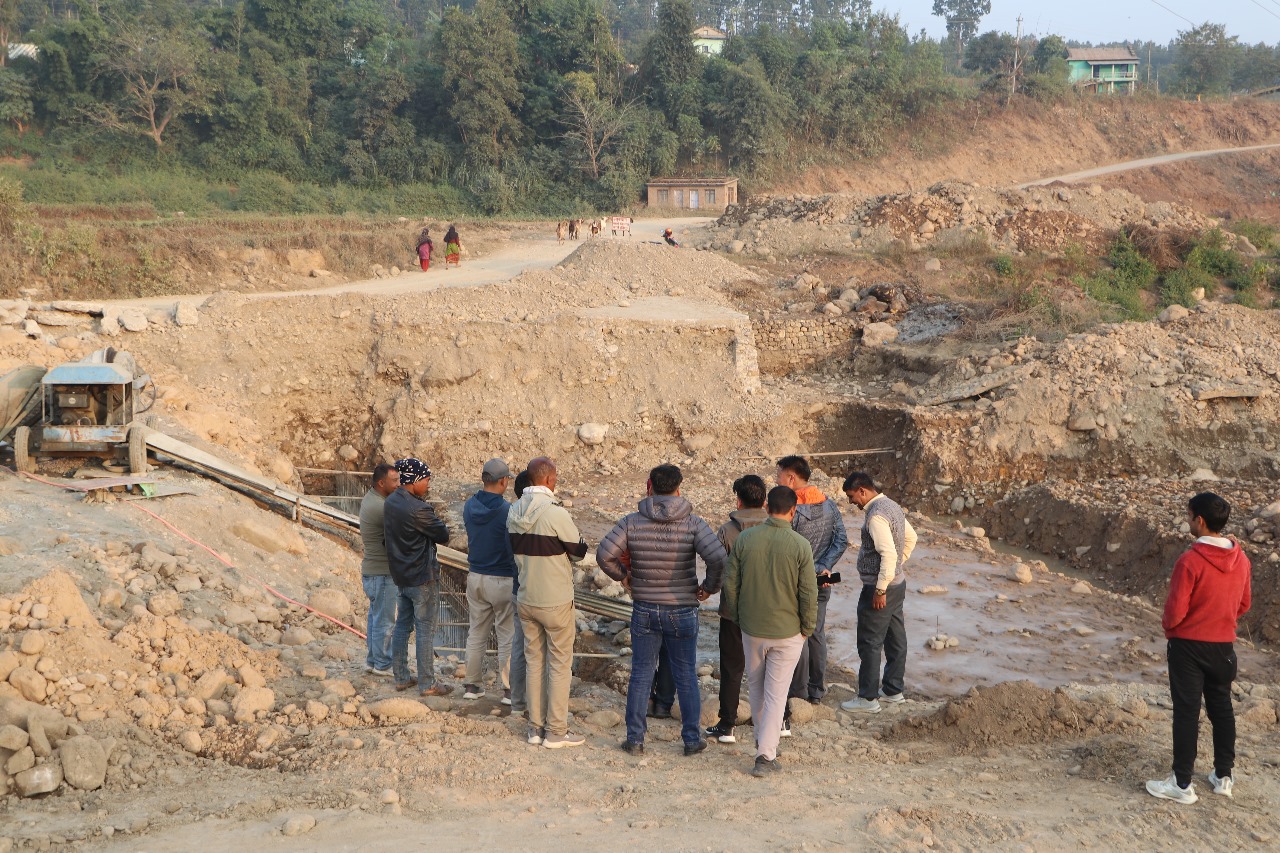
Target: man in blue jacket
point(489, 586)
point(819, 521)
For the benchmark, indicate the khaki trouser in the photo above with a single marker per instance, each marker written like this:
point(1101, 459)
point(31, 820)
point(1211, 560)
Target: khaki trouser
point(490, 608)
point(770, 665)
point(548, 647)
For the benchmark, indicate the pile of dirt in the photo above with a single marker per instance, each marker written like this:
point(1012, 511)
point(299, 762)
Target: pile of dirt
point(1200, 389)
point(1046, 219)
point(1012, 713)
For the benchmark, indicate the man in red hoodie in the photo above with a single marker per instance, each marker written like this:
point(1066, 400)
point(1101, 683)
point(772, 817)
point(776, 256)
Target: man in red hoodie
point(1208, 593)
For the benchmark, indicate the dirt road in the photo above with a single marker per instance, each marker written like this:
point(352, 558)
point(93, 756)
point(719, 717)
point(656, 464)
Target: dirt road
point(507, 262)
point(1129, 165)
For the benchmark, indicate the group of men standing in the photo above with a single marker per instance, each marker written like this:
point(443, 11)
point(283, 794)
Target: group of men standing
point(772, 561)
point(776, 583)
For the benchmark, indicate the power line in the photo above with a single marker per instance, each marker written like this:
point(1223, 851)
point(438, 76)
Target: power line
point(1265, 9)
point(1175, 14)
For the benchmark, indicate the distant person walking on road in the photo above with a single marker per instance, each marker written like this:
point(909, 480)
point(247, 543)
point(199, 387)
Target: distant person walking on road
point(561, 229)
point(375, 575)
point(546, 544)
point(425, 247)
point(818, 520)
point(1211, 588)
point(887, 542)
point(452, 247)
point(771, 594)
point(413, 530)
point(750, 492)
point(663, 540)
point(492, 566)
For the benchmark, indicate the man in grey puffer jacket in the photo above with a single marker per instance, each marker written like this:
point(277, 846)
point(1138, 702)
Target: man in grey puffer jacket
point(653, 551)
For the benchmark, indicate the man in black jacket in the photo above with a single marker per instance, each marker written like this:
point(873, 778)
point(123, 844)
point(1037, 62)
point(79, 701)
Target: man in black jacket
point(661, 542)
point(412, 530)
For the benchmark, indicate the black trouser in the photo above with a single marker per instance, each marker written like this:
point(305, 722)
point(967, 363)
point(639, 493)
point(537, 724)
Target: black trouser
point(881, 630)
point(1199, 669)
point(733, 663)
point(810, 678)
point(664, 682)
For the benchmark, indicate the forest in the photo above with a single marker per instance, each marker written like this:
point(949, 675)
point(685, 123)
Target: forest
point(548, 107)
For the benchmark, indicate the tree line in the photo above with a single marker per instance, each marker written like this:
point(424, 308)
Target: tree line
point(552, 106)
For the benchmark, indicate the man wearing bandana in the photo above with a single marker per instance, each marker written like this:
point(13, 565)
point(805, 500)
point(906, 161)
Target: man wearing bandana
point(412, 531)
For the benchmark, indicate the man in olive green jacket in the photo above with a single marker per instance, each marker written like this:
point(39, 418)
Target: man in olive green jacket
point(771, 593)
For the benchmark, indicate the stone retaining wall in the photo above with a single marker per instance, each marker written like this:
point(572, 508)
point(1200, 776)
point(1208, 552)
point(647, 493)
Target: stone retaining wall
point(797, 342)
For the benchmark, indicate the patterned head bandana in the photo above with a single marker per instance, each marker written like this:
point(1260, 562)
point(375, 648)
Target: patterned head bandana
point(412, 470)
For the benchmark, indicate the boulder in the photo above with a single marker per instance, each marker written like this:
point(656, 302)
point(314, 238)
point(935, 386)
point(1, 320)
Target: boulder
point(592, 434)
point(298, 824)
point(1173, 313)
point(397, 708)
point(29, 683)
point(133, 320)
point(296, 636)
point(39, 780)
point(84, 762)
point(210, 685)
point(12, 738)
point(164, 604)
point(73, 307)
point(1020, 572)
point(251, 700)
point(186, 314)
point(270, 537)
point(878, 334)
point(331, 602)
point(605, 719)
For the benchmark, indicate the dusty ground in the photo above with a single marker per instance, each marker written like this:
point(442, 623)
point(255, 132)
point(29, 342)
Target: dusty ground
point(225, 716)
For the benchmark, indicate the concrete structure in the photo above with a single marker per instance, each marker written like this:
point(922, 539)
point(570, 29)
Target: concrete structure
point(1107, 70)
point(693, 193)
point(20, 50)
point(709, 41)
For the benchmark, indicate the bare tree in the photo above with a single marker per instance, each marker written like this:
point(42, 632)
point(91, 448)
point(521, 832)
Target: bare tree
point(160, 74)
point(594, 124)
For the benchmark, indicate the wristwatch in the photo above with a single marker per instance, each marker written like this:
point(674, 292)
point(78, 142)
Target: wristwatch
point(882, 591)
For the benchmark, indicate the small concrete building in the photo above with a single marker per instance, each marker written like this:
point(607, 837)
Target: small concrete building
point(709, 41)
point(1104, 70)
point(693, 193)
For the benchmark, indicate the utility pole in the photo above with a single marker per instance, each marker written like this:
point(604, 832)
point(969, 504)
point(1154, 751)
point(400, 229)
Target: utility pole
point(1013, 78)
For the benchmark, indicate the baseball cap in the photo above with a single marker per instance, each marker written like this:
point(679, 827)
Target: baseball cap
point(494, 470)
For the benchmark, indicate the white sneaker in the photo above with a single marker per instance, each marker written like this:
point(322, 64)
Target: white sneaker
point(1167, 789)
point(381, 673)
point(893, 698)
point(857, 703)
point(537, 735)
point(472, 691)
point(1221, 784)
point(786, 729)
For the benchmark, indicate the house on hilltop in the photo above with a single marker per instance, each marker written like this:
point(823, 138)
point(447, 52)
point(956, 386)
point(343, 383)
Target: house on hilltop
point(709, 40)
point(1105, 70)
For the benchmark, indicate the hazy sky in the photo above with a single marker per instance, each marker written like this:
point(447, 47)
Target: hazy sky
point(1108, 20)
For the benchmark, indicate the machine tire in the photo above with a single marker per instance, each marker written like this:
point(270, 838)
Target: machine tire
point(22, 450)
point(137, 451)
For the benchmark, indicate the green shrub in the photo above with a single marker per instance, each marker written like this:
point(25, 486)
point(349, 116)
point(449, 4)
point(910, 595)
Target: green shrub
point(1261, 234)
point(1212, 256)
point(1132, 268)
point(1003, 265)
point(13, 210)
point(1109, 288)
point(1179, 285)
point(1251, 277)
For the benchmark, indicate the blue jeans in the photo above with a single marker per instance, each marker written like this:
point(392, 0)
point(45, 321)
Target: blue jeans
point(674, 629)
point(382, 594)
point(416, 614)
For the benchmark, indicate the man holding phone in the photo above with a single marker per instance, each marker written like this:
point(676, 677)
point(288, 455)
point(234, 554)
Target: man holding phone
point(887, 542)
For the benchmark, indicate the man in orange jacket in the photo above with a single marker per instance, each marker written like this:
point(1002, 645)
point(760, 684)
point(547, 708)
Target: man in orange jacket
point(1208, 593)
